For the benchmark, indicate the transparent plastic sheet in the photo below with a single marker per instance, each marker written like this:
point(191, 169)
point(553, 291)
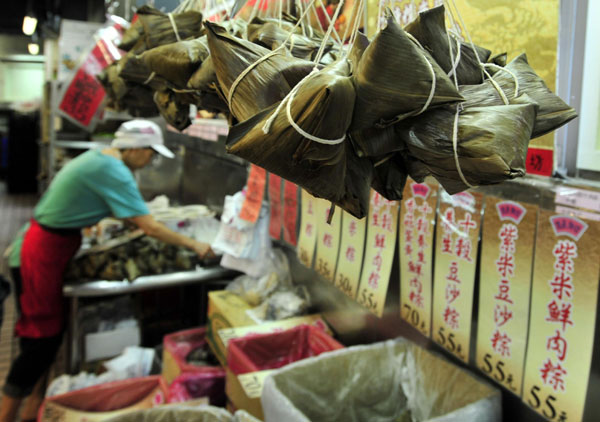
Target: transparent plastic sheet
point(385, 382)
point(273, 350)
point(177, 414)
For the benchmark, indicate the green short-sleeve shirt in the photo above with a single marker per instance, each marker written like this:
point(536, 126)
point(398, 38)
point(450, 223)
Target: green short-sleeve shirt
point(89, 188)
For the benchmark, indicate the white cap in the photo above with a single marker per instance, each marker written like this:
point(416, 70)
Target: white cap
point(141, 134)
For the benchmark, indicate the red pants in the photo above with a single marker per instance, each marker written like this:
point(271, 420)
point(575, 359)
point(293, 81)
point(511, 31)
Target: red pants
point(44, 258)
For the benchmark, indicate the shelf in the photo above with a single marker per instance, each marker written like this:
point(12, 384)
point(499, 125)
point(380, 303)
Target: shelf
point(80, 144)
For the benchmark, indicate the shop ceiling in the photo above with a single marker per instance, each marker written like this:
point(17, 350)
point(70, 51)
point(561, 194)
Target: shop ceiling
point(49, 13)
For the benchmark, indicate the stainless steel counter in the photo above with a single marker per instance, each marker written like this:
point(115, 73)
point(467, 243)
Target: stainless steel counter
point(109, 288)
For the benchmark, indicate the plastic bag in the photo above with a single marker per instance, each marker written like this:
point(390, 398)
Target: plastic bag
point(260, 352)
point(177, 414)
point(240, 238)
point(255, 290)
point(103, 401)
point(384, 382)
point(198, 385)
point(187, 351)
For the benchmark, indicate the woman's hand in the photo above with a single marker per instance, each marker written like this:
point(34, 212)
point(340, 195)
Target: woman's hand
point(203, 250)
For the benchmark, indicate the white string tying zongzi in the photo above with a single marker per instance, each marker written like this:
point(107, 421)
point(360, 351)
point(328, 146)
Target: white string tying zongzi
point(433, 77)
point(329, 22)
point(174, 25)
point(458, 56)
point(384, 160)
point(288, 100)
point(147, 81)
point(254, 11)
point(503, 69)
point(246, 71)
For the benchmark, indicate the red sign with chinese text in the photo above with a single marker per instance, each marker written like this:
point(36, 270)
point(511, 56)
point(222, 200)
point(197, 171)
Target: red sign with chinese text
point(255, 191)
point(276, 206)
point(540, 161)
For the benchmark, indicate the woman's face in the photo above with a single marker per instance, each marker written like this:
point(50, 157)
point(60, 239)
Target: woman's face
point(136, 158)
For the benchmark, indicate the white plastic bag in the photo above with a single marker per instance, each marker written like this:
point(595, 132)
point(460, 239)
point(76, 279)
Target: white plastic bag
point(240, 238)
point(384, 382)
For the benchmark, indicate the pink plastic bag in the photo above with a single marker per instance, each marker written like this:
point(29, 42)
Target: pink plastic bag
point(198, 385)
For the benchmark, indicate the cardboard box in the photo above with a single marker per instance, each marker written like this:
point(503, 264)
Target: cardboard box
point(252, 359)
point(225, 310)
point(244, 391)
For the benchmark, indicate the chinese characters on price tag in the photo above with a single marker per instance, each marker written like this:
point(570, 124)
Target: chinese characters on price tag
point(563, 315)
point(252, 383)
point(379, 253)
point(255, 191)
point(351, 253)
point(505, 272)
point(457, 237)
point(540, 161)
point(417, 221)
point(290, 212)
point(275, 206)
point(328, 239)
point(308, 229)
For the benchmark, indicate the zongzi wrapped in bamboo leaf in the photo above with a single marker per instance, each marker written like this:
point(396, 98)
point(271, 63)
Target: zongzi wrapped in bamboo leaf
point(322, 107)
point(430, 30)
point(394, 80)
point(358, 49)
point(132, 35)
point(174, 62)
point(161, 28)
point(389, 177)
point(491, 143)
point(174, 110)
point(205, 77)
point(268, 82)
point(270, 35)
point(375, 142)
point(553, 111)
point(133, 69)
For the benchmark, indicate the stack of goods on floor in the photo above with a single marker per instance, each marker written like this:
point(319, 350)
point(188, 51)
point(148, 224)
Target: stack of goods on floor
point(339, 119)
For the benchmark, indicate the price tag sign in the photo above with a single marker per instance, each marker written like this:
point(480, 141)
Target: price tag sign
point(252, 383)
point(328, 240)
point(563, 316)
point(308, 229)
point(255, 191)
point(457, 237)
point(351, 253)
point(540, 161)
point(379, 253)
point(415, 242)
point(508, 241)
point(275, 206)
point(290, 212)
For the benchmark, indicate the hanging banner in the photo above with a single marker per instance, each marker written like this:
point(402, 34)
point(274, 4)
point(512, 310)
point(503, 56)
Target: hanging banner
point(563, 315)
point(379, 253)
point(275, 206)
point(508, 240)
point(255, 191)
point(457, 237)
point(417, 223)
point(290, 212)
point(351, 254)
point(308, 229)
point(328, 239)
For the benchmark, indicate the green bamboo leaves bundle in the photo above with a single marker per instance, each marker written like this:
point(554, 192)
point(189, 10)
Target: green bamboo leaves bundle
point(394, 80)
point(430, 30)
point(553, 111)
point(252, 77)
point(491, 143)
point(320, 106)
point(174, 63)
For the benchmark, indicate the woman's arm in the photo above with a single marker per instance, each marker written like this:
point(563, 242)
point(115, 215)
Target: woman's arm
point(155, 229)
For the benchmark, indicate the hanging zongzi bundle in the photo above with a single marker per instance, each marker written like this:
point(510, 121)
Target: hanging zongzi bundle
point(252, 89)
point(395, 79)
point(321, 107)
point(491, 142)
point(553, 112)
point(174, 62)
point(430, 30)
point(174, 108)
point(166, 28)
point(389, 177)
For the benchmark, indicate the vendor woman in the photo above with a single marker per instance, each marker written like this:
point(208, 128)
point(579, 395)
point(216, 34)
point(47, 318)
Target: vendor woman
point(95, 185)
